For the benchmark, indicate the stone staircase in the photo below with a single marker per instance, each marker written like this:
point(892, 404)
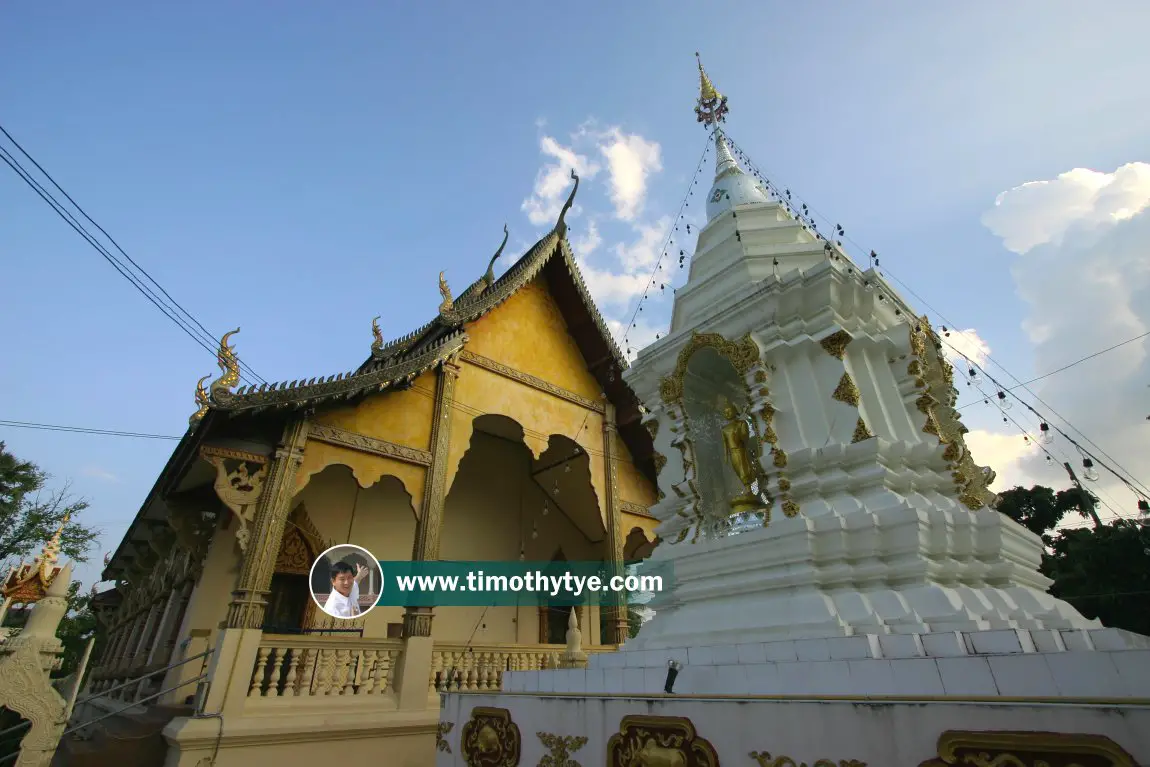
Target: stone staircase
point(127, 738)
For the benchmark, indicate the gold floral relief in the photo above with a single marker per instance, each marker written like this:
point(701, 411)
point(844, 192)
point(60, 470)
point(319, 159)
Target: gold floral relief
point(490, 739)
point(847, 391)
point(660, 462)
point(656, 741)
point(1027, 749)
point(742, 354)
point(764, 759)
point(780, 459)
point(441, 733)
point(790, 508)
point(561, 747)
point(862, 433)
point(653, 427)
point(836, 343)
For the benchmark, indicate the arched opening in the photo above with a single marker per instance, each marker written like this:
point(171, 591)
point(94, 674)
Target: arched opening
point(714, 402)
point(288, 600)
point(636, 547)
point(380, 518)
point(506, 505)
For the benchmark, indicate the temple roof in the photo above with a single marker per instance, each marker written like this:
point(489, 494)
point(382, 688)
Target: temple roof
point(400, 361)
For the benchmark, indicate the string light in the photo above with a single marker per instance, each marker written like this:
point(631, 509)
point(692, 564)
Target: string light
point(803, 213)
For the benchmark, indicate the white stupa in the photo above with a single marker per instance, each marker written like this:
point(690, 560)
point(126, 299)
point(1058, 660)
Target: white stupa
point(880, 521)
point(842, 591)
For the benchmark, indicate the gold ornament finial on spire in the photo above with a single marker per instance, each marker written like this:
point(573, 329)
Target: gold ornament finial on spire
point(377, 334)
point(711, 107)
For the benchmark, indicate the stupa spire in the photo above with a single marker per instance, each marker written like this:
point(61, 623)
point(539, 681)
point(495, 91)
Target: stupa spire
point(51, 551)
point(711, 106)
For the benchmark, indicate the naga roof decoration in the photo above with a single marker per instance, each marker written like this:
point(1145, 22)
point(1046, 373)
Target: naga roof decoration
point(377, 334)
point(405, 358)
point(29, 583)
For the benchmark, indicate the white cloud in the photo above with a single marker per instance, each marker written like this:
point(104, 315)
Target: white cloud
point(553, 182)
point(630, 160)
point(588, 242)
point(620, 232)
point(95, 472)
point(1083, 271)
point(963, 345)
point(1041, 212)
point(1004, 453)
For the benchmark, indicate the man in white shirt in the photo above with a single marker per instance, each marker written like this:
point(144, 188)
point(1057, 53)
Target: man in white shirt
point(343, 602)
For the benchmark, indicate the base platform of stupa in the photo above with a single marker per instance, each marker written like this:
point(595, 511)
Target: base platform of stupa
point(896, 700)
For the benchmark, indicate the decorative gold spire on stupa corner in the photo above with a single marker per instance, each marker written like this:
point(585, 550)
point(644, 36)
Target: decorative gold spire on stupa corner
point(51, 551)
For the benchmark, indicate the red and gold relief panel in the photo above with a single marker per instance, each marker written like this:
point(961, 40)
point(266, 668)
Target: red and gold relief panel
point(659, 741)
point(1027, 749)
point(490, 739)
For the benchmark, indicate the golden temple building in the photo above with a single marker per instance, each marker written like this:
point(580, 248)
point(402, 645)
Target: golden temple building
point(499, 430)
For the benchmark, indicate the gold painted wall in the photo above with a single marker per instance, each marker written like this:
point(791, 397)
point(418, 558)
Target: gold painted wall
point(403, 417)
point(528, 333)
point(628, 522)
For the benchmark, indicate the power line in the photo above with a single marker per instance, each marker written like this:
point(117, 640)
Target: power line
point(1068, 366)
point(805, 217)
point(197, 333)
point(83, 430)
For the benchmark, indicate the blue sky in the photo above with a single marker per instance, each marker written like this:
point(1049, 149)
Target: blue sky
point(295, 169)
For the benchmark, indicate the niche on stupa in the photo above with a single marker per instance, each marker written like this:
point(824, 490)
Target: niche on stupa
point(715, 401)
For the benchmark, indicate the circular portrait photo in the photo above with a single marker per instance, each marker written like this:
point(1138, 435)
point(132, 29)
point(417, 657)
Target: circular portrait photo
point(346, 581)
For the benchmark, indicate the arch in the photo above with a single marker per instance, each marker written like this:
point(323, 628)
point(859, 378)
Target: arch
point(636, 546)
point(501, 505)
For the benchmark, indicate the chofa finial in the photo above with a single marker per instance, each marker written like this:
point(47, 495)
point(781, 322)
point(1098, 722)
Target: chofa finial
point(203, 402)
point(445, 291)
point(561, 225)
point(377, 334)
point(229, 363)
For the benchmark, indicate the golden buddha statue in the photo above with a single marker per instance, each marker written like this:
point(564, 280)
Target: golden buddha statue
point(737, 451)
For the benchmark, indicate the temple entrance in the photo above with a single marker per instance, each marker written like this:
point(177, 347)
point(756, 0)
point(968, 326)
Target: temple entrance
point(287, 603)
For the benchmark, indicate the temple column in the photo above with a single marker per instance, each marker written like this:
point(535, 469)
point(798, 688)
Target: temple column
point(617, 605)
point(415, 665)
point(248, 604)
point(237, 646)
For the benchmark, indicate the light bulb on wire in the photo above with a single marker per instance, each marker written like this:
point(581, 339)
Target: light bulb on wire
point(1088, 470)
point(1045, 436)
point(973, 375)
point(544, 512)
point(1003, 402)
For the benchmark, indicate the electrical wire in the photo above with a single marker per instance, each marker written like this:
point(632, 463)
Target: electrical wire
point(197, 332)
point(83, 430)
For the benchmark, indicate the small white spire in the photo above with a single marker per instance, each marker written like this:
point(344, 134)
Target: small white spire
point(725, 163)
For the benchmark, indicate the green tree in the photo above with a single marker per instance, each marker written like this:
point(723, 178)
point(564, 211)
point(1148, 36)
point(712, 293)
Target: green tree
point(77, 627)
point(1104, 572)
point(1040, 509)
point(30, 514)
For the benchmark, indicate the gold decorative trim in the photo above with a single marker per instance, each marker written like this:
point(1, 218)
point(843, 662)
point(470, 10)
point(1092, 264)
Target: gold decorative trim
point(1028, 749)
point(203, 402)
point(441, 733)
point(365, 444)
point(377, 336)
point(862, 433)
point(651, 740)
point(764, 759)
point(836, 343)
point(652, 427)
point(490, 739)
point(529, 380)
point(637, 509)
point(780, 458)
point(790, 508)
point(660, 462)
point(742, 354)
point(207, 452)
point(561, 748)
point(847, 391)
point(229, 365)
